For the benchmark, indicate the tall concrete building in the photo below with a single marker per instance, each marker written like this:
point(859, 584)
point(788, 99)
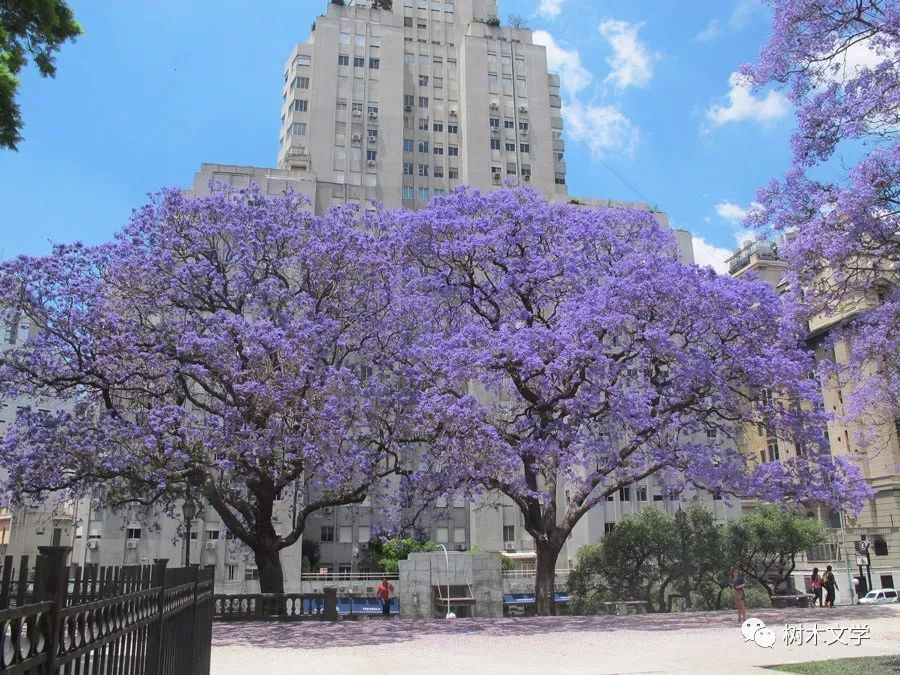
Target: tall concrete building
point(402, 104)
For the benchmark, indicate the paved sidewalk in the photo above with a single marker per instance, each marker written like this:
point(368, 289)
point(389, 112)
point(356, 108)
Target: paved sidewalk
point(707, 642)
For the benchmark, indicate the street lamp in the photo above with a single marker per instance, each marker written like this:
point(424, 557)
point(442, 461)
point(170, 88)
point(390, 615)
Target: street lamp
point(681, 526)
point(189, 511)
point(450, 615)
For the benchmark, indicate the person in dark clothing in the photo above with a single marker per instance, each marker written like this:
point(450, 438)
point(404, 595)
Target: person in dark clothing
point(829, 583)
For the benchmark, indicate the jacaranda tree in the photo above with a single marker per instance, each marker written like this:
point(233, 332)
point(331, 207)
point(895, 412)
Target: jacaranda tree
point(226, 347)
point(569, 350)
point(840, 63)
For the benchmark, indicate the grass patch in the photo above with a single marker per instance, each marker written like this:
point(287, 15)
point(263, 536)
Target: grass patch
point(869, 665)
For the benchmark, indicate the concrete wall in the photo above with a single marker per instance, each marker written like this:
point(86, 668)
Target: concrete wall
point(479, 573)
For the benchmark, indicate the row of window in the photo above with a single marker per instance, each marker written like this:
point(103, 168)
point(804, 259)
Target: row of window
point(359, 61)
point(423, 194)
point(345, 534)
point(436, 6)
point(509, 146)
point(424, 59)
point(508, 124)
point(422, 146)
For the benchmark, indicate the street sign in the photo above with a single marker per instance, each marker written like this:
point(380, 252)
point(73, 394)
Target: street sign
point(861, 560)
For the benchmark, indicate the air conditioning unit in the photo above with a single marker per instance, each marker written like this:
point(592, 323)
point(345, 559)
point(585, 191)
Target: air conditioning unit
point(460, 547)
point(371, 162)
point(93, 544)
point(373, 139)
point(526, 177)
point(211, 545)
point(509, 546)
point(453, 112)
point(356, 138)
point(408, 108)
point(495, 105)
point(523, 108)
point(495, 130)
point(372, 114)
point(131, 543)
point(357, 113)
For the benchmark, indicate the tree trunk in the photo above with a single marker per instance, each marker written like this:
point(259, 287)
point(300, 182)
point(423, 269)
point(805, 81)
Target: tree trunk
point(545, 578)
point(271, 578)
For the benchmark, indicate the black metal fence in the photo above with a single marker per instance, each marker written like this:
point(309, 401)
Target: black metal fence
point(139, 620)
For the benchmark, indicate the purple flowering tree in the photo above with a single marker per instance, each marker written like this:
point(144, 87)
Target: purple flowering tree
point(840, 63)
point(569, 350)
point(228, 347)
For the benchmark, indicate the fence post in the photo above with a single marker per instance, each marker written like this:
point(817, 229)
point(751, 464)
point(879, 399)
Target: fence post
point(191, 638)
point(155, 641)
point(51, 585)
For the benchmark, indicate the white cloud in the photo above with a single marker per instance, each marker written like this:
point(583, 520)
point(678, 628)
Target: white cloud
point(603, 128)
point(711, 32)
point(733, 213)
point(706, 254)
point(550, 9)
point(743, 105)
point(573, 77)
point(631, 62)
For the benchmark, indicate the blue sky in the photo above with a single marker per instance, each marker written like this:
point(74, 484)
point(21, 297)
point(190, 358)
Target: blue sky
point(153, 89)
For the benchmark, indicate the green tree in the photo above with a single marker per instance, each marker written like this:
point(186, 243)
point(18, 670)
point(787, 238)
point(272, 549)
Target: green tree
point(765, 543)
point(28, 28)
point(385, 555)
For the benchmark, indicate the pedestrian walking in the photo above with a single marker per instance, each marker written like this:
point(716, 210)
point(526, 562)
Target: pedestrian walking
point(816, 585)
point(737, 588)
point(830, 585)
point(384, 594)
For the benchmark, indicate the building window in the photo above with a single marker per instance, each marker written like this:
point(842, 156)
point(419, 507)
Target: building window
point(495, 144)
point(327, 533)
point(251, 574)
point(624, 494)
point(495, 123)
point(452, 128)
point(302, 60)
point(407, 21)
point(423, 193)
point(359, 62)
point(423, 101)
point(657, 498)
point(523, 126)
point(439, 192)
point(453, 173)
point(879, 546)
point(511, 166)
point(423, 169)
point(511, 147)
point(374, 41)
point(423, 146)
point(453, 150)
point(492, 79)
point(231, 572)
point(438, 171)
point(641, 493)
point(423, 124)
point(438, 126)
point(374, 64)
point(371, 155)
point(372, 132)
point(525, 147)
point(423, 80)
point(560, 178)
point(212, 535)
point(438, 149)
point(408, 145)
point(408, 58)
point(438, 60)
point(509, 533)
point(345, 534)
point(344, 38)
point(363, 534)
point(298, 129)
point(407, 192)
point(301, 105)
point(438, 82)
point(300, 83)
point(133, 533)
point(408, 100)
point(509, 124)
point(608, 527)
point(442, 535)
point(343, 59)
point(459, 535)
point(772, 449)
point(407, 168)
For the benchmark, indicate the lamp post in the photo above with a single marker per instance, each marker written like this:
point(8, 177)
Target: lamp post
point(189, 511)
point(681, 525)
point(450, 615)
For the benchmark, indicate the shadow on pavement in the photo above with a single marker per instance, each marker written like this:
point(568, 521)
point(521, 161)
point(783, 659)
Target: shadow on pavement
point(321, 634)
